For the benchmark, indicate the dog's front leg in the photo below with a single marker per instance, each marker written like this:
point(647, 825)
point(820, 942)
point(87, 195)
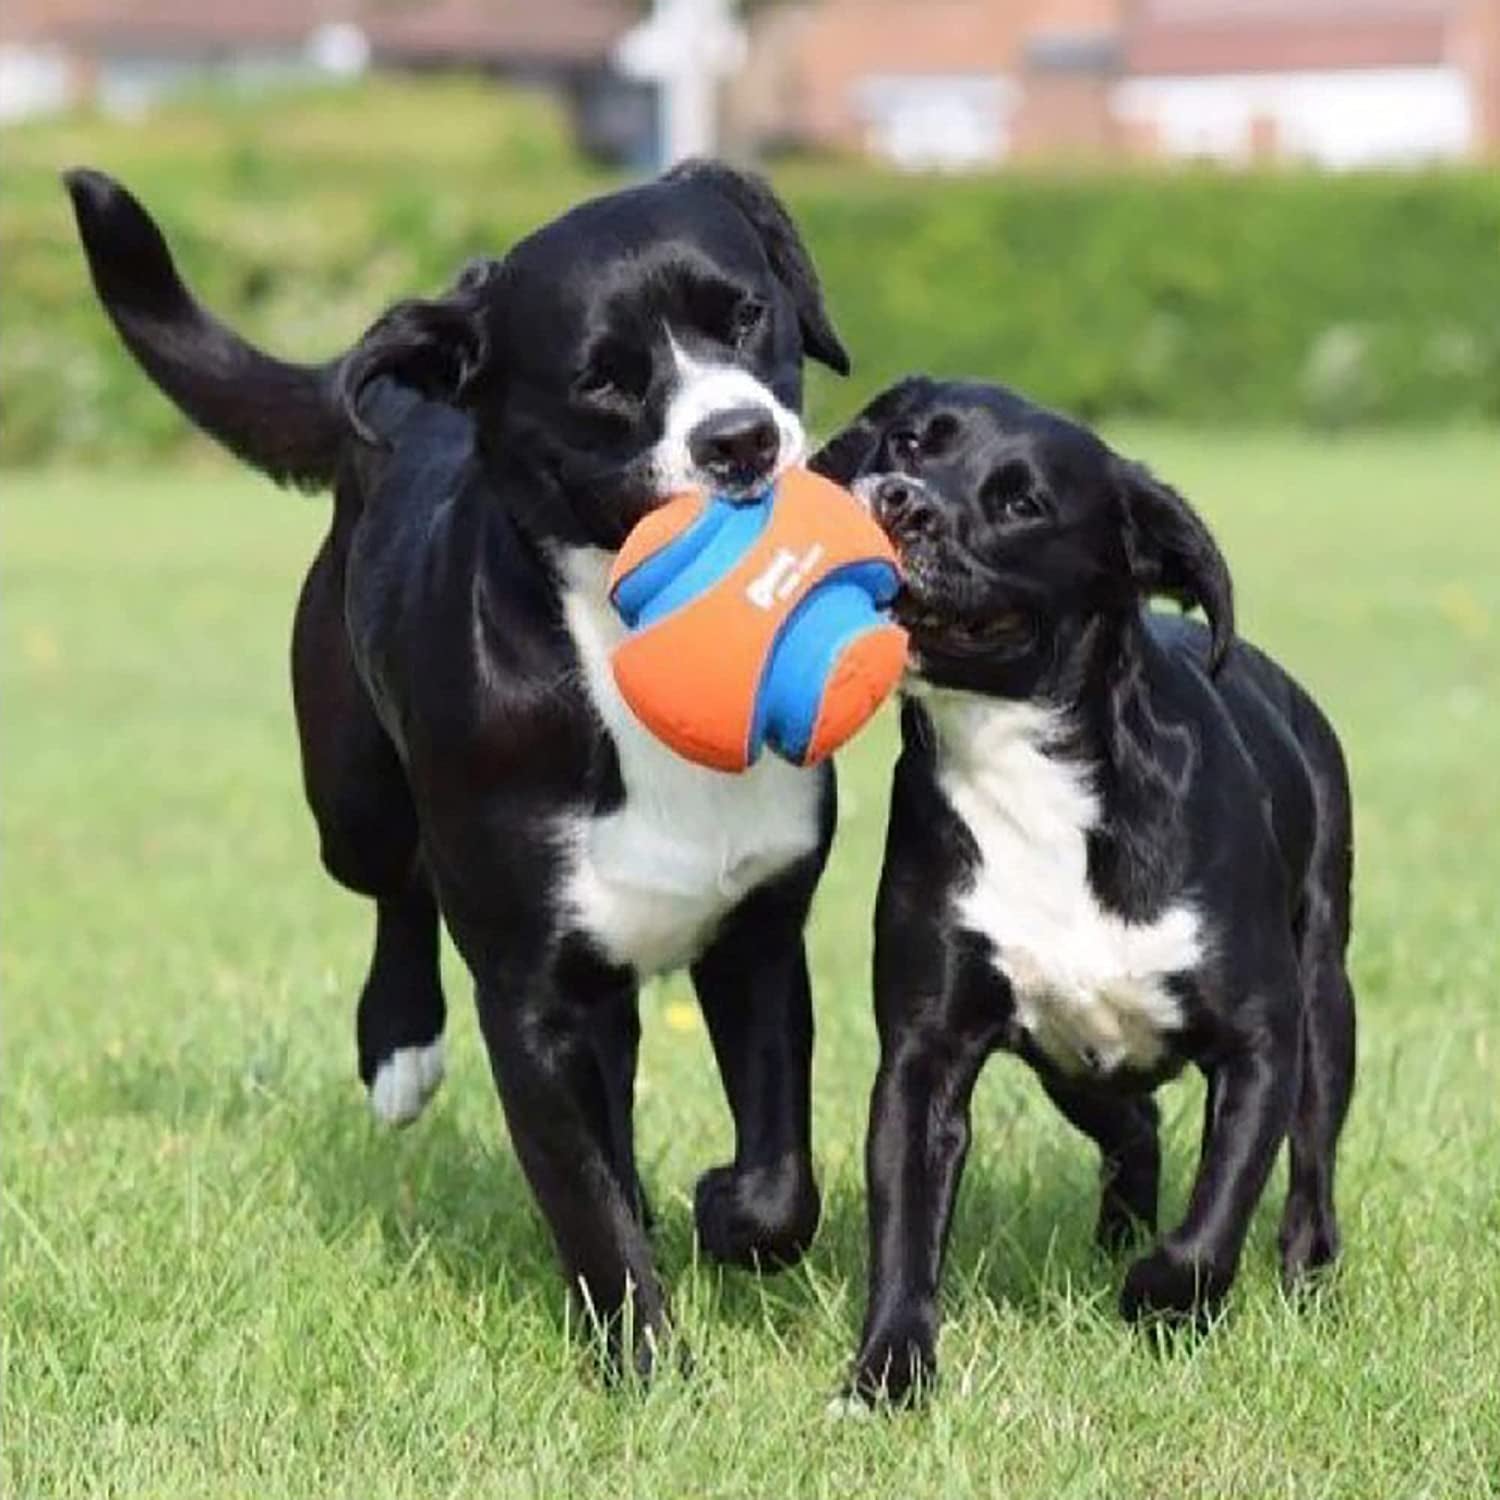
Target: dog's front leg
point(559, 1024)
point(914, 1157)
point(557, 1105)
point(762, 1208)
point(1124, 1127)
point(1252, 1089)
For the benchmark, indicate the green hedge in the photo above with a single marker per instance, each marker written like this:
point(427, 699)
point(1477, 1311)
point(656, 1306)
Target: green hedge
point(1198, 296)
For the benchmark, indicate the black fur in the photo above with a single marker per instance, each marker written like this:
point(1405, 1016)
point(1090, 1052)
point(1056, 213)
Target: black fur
point(447, 734)
point(438, 346)
point(1030, 550)
point(784, 249)
point(276, 416)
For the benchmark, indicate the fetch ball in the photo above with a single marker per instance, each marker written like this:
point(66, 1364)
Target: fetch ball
point(754, 623)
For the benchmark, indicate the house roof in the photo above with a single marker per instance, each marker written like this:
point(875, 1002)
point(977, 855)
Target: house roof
point(173, 26)
point(1224, 11)
point(1245, 36)
point(40, 20)
point(859, 37)
point(552, 30)
point(848, 41)
point(479, 30)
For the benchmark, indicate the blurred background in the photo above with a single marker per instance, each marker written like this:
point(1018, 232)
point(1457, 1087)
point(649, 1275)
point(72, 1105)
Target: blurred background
point(947, 84)
point(1242, 211)
point(1257, 240)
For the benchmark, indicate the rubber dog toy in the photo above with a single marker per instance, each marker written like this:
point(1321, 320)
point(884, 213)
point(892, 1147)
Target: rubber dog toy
point(759, 622)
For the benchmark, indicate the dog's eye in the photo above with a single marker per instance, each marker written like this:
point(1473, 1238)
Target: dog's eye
point(614, 378)
point(746, 319)
point(1021, 508)
point(905, 443)
point(724, 313)
point(1010, 494)
point(595, 385)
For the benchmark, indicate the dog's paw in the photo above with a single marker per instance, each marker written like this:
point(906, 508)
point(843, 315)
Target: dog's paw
point(405, 1081)
point(762, 1218)
point(1171, 1286)
point(642, 1205)
point(1309, 1246)
point(848, 1406)
point(896, 1367)
point(651, 1354)
point(1119, 1226)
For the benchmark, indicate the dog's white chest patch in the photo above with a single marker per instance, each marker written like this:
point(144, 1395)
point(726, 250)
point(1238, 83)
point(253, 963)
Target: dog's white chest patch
point(651, 880)
point(1090, 987)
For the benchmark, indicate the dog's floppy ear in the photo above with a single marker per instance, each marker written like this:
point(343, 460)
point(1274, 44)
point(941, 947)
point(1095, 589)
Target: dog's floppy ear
point(440, 346)
point(790, 262)
point(1171, 551)
point(848, 454)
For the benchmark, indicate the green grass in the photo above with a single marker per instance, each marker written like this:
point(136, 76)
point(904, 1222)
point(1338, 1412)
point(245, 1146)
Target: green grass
point(221, 1279)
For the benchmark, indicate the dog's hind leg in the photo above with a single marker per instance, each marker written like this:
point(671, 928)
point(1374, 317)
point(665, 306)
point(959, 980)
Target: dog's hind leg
point(357, 789)
point(1124, 1127)
point(1309, 1237)
point(399, 1022)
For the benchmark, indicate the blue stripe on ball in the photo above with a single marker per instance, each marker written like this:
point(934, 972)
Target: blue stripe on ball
point(806, 649)
point(691, 563)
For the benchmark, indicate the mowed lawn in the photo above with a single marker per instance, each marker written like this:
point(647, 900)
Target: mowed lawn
point(221, 1279)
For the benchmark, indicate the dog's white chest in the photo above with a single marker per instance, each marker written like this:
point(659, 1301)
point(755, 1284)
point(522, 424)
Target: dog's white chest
point(651, 881)
point(1090, 987)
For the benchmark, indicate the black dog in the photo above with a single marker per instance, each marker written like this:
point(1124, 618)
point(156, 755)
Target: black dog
point(463, 743)
point(1118, 842)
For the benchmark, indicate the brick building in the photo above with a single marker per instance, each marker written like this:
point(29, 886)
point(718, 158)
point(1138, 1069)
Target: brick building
point(923, 83)
point(958, 83)
point(1339, 82)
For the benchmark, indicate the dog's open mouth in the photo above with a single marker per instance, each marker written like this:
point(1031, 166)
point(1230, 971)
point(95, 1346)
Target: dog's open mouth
point(937, 629)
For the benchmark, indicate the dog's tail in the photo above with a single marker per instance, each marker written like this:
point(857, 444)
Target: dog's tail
point(284, 419)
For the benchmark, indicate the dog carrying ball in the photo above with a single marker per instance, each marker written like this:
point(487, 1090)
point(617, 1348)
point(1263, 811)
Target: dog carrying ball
point(759, 622)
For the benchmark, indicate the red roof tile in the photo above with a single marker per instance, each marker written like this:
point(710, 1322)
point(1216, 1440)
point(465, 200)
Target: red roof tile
point(1250, 44)
point(556, 30)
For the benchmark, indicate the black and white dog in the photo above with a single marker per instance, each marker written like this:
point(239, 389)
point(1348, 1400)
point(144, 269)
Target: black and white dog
point(1119, 842)
point(464, 747)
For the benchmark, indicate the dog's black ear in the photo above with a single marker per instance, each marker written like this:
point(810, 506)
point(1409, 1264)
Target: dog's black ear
point(1172, 552)
point(848, 454)
point(440, 346)
point(787, 254)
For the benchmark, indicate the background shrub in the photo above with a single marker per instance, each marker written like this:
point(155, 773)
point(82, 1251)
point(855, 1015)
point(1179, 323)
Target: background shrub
point(1198, 296)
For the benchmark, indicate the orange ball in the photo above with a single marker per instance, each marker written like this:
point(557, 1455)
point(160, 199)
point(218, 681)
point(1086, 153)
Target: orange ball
point(758, 622)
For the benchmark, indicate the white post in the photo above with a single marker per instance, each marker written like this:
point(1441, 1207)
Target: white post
point(685, 48)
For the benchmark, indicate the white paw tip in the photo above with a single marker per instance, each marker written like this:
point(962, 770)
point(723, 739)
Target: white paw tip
point(849, 1409)
point(405, 1081)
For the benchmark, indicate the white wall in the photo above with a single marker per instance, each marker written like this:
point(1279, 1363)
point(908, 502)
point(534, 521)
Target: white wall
point(33, 81)
point(1349, 118)
point(947, 122)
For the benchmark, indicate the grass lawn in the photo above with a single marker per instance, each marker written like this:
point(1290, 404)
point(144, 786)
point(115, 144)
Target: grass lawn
point(221, 1279)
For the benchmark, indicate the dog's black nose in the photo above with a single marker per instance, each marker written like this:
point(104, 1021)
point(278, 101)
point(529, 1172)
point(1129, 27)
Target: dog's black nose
point(902, 506)
point(736, 446)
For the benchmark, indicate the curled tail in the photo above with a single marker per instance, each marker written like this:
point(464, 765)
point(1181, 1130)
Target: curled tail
point(284, 419)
